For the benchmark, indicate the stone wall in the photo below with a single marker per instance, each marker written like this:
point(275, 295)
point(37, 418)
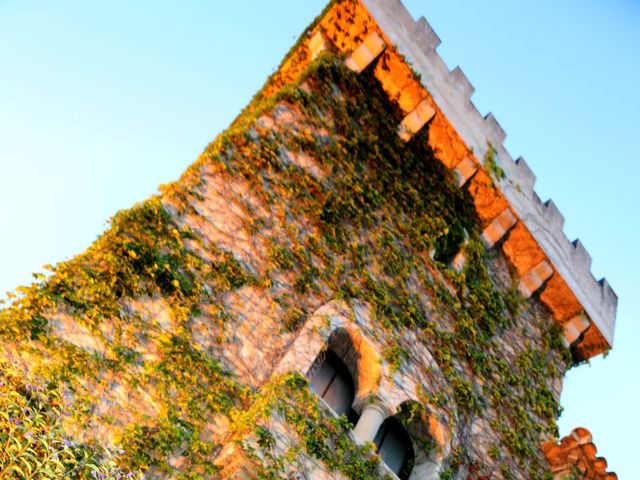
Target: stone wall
point(393, 364)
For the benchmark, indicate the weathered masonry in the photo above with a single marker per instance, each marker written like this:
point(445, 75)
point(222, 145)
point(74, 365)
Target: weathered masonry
point(355, 280)
point(379, 38)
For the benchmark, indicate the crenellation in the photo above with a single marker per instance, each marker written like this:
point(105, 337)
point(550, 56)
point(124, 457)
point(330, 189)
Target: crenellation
point(576, 453)
point(581, 257)
point(524, 177)
point(610, 298)
point(476, 130)
point(536, 209)
point(494, 132)
point(426, 36)
point(552, 216)
point(462, 83)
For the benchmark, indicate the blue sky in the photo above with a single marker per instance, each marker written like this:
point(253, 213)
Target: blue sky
point(101, 102)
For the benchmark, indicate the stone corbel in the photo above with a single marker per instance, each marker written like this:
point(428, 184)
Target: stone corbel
point(366, 53)
point(465, 170)
point(498, 228)
point(534, 278)
point(317, 45)
point(574, 328)
point(412, 123)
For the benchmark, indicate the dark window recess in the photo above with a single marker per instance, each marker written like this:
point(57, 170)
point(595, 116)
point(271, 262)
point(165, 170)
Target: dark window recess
point(395, 447)
point(330, 380)
point(448, 245)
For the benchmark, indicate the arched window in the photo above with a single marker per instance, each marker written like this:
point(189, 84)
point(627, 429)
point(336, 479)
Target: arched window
point(330, 380)
point(395, 447)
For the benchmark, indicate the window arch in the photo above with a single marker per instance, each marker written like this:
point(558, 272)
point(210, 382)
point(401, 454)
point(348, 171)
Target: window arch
point(334, 375)
point(395, 447)
point(330, 380)
point(334, 327)
point(406, 443)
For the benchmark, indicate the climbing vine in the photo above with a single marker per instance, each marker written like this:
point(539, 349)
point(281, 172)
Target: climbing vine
point(32, 441)
point(379, 219)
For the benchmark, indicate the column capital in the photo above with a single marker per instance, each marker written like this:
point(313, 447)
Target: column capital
point(372, 402)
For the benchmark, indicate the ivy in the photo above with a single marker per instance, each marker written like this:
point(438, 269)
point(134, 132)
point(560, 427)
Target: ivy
point(33, 443)
point(366, 229)
point(320, 436)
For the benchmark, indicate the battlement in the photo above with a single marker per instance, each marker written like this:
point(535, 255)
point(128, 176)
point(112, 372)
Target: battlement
point(452, 92)
point(381, 36)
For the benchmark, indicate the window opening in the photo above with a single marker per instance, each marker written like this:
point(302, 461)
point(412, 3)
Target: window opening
point(330, 380)
point(395, 447)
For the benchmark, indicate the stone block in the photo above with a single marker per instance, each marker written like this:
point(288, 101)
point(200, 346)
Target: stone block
point(534, 278)
point(413, 122)
point(458, 262)
point(574, 328)
point(317, 45)
point(465, 170)
point(498, 228)
point(366, 53)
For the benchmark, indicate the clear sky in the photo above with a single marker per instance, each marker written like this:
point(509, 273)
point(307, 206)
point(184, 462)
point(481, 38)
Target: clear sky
point(101, 102)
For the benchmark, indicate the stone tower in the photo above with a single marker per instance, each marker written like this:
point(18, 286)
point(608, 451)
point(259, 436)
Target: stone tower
point(355, 280)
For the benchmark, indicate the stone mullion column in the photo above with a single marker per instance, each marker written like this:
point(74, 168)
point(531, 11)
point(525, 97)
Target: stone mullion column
point(372, 416)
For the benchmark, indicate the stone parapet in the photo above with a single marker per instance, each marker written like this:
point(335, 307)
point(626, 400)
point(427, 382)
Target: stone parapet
point(452, 92)
point(382, 37)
